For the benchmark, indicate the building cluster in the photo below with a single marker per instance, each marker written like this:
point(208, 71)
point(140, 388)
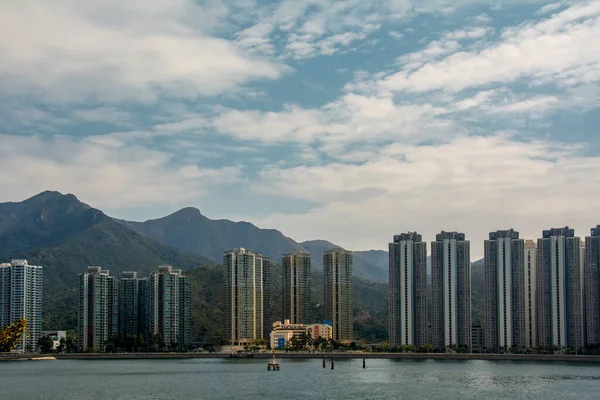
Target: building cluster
point(157, 305)
point(543, 294)
point(284, 332)
point(449, 322)
point(21, 298)
point(247, 296)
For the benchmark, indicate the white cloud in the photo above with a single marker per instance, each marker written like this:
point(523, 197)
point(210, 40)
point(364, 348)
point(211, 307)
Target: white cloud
point(352, 118)
point(550, 8)
point(538, 103)
point(478, 101)
point(107, 174)
point(472, 33)
point(130, 49)
point(310, 28)
point(471, 184)
point(109, 115)
point(563, 49)
point(483, 19)
point(396, 35)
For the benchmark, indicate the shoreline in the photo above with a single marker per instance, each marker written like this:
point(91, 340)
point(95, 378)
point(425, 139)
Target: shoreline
point(336, 356)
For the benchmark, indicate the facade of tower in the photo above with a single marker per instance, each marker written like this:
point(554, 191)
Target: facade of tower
point(5, 294)
point(167, 304)
point(98, 308)
point(408, 291)
point(559, 301)
point(337, 293)
point(451, 291)
point(592, 287)
point(530, 302)
point(504, 291)
point(243, 296)
point(129, 304)
point(296, 287)
point(21, 298)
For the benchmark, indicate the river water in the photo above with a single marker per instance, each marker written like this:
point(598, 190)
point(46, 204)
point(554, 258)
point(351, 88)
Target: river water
point(297, 379)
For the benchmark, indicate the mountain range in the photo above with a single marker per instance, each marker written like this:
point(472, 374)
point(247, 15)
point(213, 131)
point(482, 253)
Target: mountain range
point(65, 235)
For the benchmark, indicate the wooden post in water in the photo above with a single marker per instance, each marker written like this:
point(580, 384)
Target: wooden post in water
point(332, 364)
point(364, 362)
point(324, 364)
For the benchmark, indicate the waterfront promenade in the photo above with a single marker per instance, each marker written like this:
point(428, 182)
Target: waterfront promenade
point(337, 356)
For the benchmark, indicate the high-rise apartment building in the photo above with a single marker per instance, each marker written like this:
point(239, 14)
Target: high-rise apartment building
point(21, 298)
point(129, 304)
point(243, 296)
point(504, 291)
point(558, 296)
point(167, 305)
point(337, 293)
point(4, 294)
point(530, 303)
point(98, 308)
point(296, 287)
point(592, 287)
point(408, 291)
point(451, 291)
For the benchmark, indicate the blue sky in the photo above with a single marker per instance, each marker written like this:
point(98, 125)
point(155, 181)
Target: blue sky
point(347, 120)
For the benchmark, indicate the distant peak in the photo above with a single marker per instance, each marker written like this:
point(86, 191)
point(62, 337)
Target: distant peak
point(48, 194)
point(188, 212)
point(51, 196)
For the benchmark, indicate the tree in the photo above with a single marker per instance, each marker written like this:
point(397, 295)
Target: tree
point(62, 344)
point(70, 345)
point(11, 335)
point(45, 345)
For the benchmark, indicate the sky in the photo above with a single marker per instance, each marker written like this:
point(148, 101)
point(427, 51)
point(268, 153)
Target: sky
point(344, 120)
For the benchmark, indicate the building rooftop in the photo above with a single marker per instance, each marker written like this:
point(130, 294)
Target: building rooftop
point(409, 236)
point(509, 234)
point(450, 235)
point(566, 232)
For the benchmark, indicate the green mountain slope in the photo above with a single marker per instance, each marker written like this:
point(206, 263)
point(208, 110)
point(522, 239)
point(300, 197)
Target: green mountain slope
point(65, 236)
point(477, 292)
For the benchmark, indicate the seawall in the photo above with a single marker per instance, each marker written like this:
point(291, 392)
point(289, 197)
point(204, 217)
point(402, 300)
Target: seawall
point(399, 356)
point(337, 356)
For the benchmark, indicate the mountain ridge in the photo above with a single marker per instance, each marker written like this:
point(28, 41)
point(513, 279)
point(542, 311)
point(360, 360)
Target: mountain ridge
point(64, 236)
point(190, 231)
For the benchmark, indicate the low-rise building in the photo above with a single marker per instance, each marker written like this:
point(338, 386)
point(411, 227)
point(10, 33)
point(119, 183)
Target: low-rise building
point(283, 333)
point(319, 331)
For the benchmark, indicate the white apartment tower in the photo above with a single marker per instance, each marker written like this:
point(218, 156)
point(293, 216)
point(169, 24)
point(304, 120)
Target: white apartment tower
point(166, 299)
point(244, 296)
point(504, 291)
point(296, 287)
point(592, 287)
point(408, 290)
point(21, 298)
point(98, 308)
point(451, 291)
point(337, 292)
point(558, 296)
